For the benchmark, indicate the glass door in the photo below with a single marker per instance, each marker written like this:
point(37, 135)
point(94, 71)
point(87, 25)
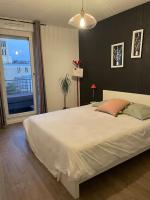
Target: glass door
point(18, 75)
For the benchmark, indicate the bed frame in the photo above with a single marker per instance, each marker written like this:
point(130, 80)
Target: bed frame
point(73, 186)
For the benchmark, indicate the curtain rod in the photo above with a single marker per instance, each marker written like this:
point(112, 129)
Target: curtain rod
point(16, 20)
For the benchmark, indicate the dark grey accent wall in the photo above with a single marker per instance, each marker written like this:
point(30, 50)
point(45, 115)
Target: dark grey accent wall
point(95, 54)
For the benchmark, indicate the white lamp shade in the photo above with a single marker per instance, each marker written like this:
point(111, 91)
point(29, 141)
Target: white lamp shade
point(89, 21)
point(78, 72)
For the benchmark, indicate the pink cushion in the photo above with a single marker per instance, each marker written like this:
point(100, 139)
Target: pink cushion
point(113, 106)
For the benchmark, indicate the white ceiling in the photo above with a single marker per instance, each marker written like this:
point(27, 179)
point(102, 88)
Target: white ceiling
point(59, 11)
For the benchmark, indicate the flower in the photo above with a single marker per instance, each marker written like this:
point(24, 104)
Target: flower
point(76, 63)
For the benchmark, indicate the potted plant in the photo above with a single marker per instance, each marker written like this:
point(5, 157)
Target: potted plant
point(65, 85)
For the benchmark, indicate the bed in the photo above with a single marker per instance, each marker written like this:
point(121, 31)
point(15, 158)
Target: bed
point(79, 143)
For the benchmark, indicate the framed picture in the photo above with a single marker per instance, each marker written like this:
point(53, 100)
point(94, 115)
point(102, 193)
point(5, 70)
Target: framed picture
point(137, 41)
point(117, 55)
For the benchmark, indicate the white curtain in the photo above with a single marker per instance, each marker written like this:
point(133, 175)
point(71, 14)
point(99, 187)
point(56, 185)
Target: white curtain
point(60, 46)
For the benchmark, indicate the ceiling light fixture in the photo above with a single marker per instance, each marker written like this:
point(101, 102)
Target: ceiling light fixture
point(83, 20)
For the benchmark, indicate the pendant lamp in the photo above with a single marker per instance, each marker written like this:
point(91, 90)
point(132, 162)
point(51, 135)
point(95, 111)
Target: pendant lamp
point(83, 20)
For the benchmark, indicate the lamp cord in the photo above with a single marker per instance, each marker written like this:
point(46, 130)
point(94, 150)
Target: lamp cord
point(82, 4)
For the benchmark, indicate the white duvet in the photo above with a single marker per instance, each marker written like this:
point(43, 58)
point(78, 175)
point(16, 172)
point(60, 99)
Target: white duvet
point(81, 142)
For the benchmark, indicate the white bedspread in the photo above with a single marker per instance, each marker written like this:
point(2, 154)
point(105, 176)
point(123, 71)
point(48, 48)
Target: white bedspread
point(81, 142)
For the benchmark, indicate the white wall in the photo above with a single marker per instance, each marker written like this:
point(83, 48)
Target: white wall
point(60, 47)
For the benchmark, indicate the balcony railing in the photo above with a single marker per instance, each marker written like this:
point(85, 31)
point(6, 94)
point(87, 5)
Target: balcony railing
point(19, 86)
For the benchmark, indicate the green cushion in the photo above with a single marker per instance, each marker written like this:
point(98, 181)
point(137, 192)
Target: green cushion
point(138, 111)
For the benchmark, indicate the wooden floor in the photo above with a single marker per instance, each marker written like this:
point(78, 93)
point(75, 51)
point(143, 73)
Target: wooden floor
point(23, 177)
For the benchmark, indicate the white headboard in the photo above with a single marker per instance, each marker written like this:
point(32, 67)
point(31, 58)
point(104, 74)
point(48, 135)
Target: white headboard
point(137, 98)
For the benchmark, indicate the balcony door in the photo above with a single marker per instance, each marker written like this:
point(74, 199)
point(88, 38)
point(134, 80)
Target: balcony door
point(17, 67)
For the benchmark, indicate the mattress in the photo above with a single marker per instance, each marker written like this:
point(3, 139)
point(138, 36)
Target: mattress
point(81, 142)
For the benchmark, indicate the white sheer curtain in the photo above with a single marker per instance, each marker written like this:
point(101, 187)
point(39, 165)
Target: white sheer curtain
point(60, 46)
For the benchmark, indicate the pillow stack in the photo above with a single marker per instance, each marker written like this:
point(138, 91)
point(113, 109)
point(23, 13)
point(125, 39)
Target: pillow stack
point(117, 106)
